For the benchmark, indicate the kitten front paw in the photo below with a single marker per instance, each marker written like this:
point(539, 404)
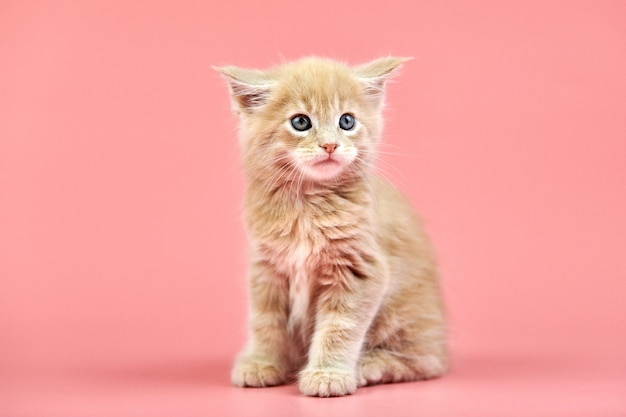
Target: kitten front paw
point(327, 382)
point(255, 372)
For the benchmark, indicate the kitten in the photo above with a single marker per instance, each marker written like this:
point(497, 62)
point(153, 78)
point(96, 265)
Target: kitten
point(343, 283)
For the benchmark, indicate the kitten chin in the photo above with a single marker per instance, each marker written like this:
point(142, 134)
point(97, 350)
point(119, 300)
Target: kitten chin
point(344, 289)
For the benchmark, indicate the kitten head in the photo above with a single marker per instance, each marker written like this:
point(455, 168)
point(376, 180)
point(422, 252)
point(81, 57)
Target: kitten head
point(309, 121)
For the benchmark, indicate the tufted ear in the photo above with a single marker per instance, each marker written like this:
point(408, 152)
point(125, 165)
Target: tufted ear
point(249, 89)
point(373, 76)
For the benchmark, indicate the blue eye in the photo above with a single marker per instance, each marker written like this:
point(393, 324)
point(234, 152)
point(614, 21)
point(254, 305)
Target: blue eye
point(346, 121)
point(301, 122)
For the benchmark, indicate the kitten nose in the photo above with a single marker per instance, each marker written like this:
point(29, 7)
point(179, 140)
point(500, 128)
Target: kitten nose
point(330, 147)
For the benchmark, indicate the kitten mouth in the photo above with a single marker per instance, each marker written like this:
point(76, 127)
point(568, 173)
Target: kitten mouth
point(325, 167)
point(326, 161)
point(327, 158)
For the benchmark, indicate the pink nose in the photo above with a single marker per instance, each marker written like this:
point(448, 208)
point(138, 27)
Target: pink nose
point(330, 147)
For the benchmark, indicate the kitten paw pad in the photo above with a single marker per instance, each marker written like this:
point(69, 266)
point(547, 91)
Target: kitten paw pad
point(327, 382)
point(256, 373)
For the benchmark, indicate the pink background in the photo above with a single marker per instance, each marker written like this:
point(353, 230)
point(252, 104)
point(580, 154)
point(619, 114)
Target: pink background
point(122, 253)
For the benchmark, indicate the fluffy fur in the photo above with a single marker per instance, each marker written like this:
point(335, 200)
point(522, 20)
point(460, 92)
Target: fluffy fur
point(343, 283)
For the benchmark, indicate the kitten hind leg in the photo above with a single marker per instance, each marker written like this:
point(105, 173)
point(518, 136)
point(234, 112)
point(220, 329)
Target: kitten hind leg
point(379, 366)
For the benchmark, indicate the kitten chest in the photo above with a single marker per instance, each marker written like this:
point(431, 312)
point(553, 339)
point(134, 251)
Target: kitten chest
point(298, 262)
point(301, 240)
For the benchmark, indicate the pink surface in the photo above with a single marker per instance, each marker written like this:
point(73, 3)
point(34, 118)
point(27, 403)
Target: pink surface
point(122, 255)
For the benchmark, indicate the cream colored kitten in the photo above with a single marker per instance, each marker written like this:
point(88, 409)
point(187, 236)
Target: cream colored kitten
point(343, 283)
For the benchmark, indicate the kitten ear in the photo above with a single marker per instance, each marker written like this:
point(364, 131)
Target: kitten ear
point(374, 75)
point(249, 89)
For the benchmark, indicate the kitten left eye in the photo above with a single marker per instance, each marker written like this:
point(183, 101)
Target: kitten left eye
point(346, 121)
